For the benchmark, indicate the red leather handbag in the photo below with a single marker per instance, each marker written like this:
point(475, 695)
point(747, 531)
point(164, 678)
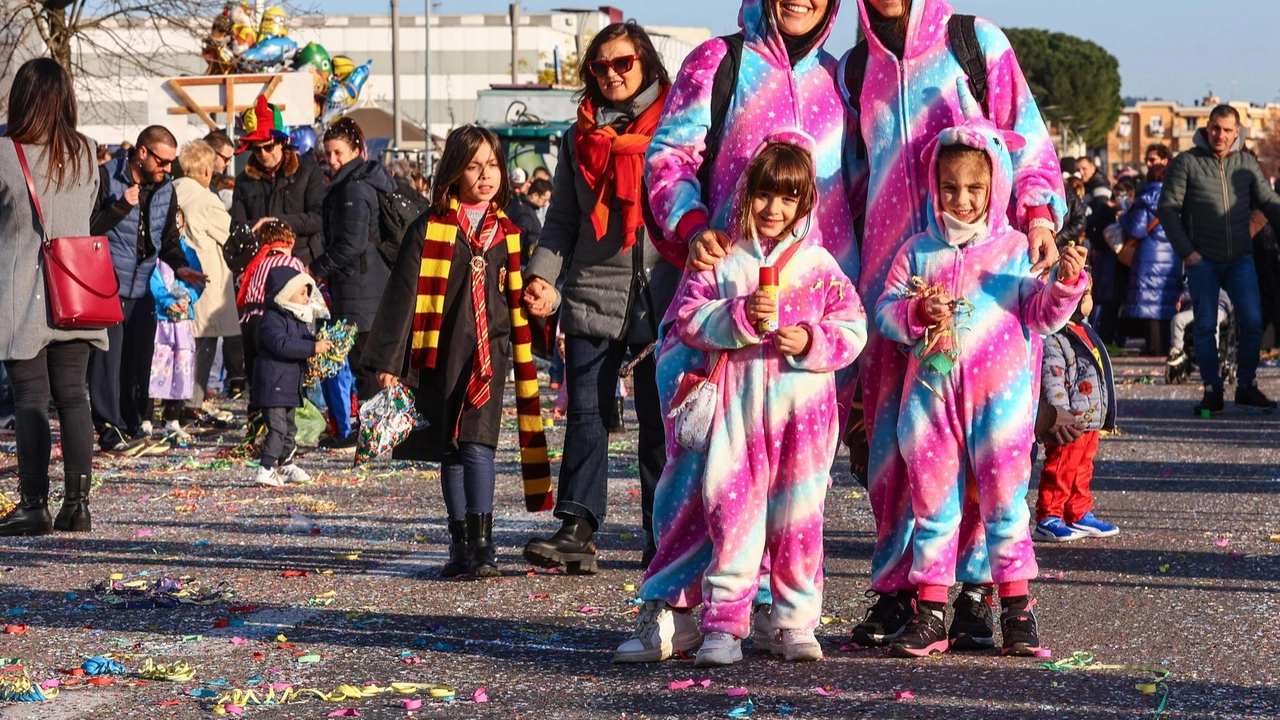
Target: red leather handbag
point(79, 278)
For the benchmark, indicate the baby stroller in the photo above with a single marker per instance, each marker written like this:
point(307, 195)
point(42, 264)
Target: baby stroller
point(1182, 372)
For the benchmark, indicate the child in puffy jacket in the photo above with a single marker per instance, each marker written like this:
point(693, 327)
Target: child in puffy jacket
point(173, 362)
point(1076, 376)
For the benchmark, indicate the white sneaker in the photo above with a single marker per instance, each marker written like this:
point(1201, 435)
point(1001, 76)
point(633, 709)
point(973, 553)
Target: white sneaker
point(145, 428)
point(800, 645)
point(763, 637)
point(661, 632)
point(719, 648)
point(291, 473)
point(268, 477)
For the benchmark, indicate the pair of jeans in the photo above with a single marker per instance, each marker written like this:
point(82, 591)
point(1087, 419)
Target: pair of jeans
point(591, 375)
point(467, 480)
point(206, 351)
point(1240, 279)
point(57, 372)
point(281, 440)
point(337, 399)
point(120, 377)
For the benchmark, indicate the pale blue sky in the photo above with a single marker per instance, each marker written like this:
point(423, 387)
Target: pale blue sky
point(1175, 49)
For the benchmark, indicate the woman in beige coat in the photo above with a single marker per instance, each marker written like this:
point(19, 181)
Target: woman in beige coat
point(208, 226)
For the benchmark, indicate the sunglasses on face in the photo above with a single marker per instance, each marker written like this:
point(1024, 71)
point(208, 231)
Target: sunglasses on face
point(160, 162)
point(266, 147)
point(621, 65)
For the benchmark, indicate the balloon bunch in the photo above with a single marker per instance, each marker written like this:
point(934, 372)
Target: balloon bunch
point(336, 82)
point(234, 45)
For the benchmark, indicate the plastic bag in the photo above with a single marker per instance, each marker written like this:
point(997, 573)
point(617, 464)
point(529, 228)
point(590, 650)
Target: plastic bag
point(385, 421)
point(311, 423)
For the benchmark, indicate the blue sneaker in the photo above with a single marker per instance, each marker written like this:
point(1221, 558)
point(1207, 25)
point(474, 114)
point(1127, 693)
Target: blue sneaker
point(1093, 527)
point(1052, 529)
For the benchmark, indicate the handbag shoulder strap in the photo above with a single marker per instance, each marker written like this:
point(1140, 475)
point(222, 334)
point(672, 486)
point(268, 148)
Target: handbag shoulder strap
point(786, 256)
point(718, 369)
point(31, 185)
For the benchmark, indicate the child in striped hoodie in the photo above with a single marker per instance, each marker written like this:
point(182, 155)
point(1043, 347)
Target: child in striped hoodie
point(777, 424)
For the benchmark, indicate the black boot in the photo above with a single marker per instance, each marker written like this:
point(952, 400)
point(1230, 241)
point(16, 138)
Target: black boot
point(572, 546)
point(457, 564)
point(482, 562)
point(31, 515)
point(74, 515)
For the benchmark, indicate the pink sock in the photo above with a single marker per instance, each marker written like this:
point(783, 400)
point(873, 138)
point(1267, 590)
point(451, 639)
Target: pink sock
point(933, 593)
point(1017, 588)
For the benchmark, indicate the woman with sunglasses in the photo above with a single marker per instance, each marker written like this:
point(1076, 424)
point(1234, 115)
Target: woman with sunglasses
point(614, 285)
point(785, 79)
point(44, 362)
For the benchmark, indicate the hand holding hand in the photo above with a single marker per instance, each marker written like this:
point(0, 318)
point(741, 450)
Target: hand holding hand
point(1044, 251)
point(1071, 264)
point(192, 277)
point(540, 296)
point(791, 340)
point(323, 346)
point(707, 249)
point(1066, 428)
point(760, 306)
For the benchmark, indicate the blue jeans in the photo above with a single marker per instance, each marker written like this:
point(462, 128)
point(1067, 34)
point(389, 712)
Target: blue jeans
point(1240, 280)
point(467, 479)
point(591, 371)
point(337, 399)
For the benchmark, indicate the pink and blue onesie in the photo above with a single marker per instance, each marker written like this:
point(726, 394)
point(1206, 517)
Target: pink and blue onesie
point(776, 429)
point(906, 102)
point(975, 422)
point(770, 94)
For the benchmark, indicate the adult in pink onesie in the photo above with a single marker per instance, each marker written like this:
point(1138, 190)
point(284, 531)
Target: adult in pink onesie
point(907, 98)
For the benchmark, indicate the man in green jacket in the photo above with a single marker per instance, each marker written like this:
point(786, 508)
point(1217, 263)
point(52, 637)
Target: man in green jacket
point(1209, 193)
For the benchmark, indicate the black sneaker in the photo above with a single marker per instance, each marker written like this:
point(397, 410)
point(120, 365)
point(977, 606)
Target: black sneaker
point(1018, 626)
point(1250, 397)
point(924, 635)
point(885, 619)
point(112, 440)
point(336, 443)
point(973, 625)
point(1212, 402)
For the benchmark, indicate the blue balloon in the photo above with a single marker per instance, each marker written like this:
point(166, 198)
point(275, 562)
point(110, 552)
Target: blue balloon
point(270, 51)
point(303, 139)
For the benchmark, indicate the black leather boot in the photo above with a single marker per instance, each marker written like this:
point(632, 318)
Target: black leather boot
point(74, 514)
point(482, 561)
point(572, 546)
point(31, 515)
point(457, 564)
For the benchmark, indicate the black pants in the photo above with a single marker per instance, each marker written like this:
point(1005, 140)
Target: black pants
point(281, 441)
point(233, 362)
point(467, 479)
point(119, 378)
point(57, 372)
point(366, 380)
point(591, 372)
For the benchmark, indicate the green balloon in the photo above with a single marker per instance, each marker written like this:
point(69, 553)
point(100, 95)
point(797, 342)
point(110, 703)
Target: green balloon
point(316, 56)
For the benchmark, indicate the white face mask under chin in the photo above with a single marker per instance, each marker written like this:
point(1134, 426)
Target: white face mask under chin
point(962, 233)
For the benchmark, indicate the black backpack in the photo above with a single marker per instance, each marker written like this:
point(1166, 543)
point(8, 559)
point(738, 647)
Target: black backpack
point(240, 247)
point(963, 38)
point(396, 212)
point(722, 90)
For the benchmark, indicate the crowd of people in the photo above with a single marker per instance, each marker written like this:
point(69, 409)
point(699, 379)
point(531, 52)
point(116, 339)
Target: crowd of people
point(784, 250)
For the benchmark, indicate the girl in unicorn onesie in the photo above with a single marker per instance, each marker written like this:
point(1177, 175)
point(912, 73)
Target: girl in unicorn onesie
point(785, 79)
point(963, 296)
point(908, 96)
point(777, 425)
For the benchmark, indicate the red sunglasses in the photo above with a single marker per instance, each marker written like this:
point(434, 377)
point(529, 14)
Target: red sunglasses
point(621, 65)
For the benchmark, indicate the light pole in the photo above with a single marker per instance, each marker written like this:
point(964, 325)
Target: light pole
point(428, 165)
point(397, 134)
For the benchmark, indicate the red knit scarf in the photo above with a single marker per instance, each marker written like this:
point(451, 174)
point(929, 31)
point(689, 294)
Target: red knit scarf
point(613, 165)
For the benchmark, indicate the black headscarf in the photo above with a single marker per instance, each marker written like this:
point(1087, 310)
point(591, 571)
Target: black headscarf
point(798, 46)
point(886, 30)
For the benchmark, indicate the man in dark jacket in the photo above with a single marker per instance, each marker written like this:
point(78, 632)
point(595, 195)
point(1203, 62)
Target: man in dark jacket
point(276, 185)
point(138, 212)
point(1207, 199)
point(1096, 187)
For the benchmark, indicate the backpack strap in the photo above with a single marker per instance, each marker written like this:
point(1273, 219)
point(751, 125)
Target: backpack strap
point(722, 91)
point(855, 72)
point(962, 34)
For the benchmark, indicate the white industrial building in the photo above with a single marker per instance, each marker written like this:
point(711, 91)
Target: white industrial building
point(468, 53)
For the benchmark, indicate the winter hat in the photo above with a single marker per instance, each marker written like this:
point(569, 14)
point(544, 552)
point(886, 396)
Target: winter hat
point(262, 123)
